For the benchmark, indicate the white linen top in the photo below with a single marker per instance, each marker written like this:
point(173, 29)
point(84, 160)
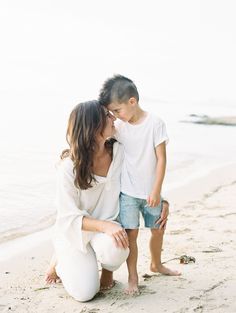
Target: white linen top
point(101, 201)
point(139, 167)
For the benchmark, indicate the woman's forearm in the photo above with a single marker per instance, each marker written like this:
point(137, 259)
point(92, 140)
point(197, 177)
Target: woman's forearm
point(110, 228)
point(91, 224)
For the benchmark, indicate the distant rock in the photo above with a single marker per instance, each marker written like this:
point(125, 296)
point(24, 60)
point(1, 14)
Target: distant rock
point(207, 120)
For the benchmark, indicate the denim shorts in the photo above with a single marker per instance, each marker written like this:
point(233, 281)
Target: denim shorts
point(130, 209)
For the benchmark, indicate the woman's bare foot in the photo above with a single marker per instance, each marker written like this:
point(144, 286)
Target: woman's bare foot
point(132, 288)
point(51, 276)
point(106, 280)
point(164, 270)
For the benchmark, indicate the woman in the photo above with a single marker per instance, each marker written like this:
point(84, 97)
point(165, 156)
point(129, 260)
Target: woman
point(88, 204)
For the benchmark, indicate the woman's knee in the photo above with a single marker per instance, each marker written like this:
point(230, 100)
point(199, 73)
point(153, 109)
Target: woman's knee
point(109, 254)
point(82, 294)
point(80, 289)
point(115, 254)
point(118, 255)
point(79, 275)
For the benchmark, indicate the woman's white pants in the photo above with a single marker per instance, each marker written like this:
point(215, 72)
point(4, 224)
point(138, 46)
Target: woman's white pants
point(79, 271)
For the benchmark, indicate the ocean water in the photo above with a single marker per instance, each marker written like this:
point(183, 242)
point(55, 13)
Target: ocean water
point(195, 149)
point(28, 168)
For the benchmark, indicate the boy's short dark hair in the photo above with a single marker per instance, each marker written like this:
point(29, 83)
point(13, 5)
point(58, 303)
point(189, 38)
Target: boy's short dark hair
point(118, 89)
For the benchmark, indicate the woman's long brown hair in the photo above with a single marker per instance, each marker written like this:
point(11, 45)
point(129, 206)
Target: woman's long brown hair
point(85, 121)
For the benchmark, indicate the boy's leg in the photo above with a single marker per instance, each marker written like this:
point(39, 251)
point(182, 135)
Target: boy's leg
point(129, 218)
point(155, 245)
point(132, 262)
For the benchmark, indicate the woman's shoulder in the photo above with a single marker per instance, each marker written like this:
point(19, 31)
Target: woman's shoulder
point(65, 166)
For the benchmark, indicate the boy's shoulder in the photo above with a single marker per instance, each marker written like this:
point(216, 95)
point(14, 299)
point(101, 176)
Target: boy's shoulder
point(155, 119)
point(152, 120)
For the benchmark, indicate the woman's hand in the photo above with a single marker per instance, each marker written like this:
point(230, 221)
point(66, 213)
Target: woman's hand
point(117, 232)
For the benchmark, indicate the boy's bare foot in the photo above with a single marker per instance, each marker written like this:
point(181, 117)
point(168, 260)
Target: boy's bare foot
point(132, 288)
point(164, 270)
point(51, 276)
point(106, 280)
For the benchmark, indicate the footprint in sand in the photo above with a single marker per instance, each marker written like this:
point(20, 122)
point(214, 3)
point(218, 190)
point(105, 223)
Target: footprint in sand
point(180, 231)
point(227, 214)
point(144, 290)
point(212, 249)
point(194, 298)
point(2, 306)
point(87, 310)
point(123, 304)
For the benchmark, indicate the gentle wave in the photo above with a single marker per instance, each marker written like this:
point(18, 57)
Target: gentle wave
point(17, 232)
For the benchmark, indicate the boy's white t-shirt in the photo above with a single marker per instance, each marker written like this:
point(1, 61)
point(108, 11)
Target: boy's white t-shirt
point(139, 167)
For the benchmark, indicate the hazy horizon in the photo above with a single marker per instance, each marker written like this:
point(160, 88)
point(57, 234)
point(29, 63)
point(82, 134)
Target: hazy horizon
point(173, 50)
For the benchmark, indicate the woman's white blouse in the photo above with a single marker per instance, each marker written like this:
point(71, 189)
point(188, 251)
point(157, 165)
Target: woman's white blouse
point(100, 201)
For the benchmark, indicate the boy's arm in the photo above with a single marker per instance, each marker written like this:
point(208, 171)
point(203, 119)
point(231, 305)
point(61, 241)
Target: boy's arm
point(155, 195)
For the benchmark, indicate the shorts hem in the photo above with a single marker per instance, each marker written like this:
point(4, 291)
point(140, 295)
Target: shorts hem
point(152, 226)
point(130, 227)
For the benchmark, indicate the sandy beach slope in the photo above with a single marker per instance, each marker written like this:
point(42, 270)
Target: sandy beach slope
point(201, 224)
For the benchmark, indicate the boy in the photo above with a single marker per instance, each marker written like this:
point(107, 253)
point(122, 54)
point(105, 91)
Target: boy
point(144, 138)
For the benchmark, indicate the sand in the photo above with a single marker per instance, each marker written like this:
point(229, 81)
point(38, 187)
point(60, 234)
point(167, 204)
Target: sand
point(201, 224)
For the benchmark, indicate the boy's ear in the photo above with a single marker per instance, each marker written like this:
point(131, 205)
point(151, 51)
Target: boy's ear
point(133, 101)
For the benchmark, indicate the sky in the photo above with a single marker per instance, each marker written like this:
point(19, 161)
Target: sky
point(182, 49)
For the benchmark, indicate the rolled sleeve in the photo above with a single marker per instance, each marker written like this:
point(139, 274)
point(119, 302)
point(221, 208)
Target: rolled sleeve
point(69, 216)
point(160, 133)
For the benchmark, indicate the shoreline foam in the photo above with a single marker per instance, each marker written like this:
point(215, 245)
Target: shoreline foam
point(21, 232)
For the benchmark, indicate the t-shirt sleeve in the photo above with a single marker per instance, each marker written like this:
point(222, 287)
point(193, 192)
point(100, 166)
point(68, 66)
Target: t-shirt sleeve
point(69, 215)
point(160, 133)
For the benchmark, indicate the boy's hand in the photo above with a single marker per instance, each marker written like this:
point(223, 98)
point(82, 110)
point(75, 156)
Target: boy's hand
point(164, 215)
point(153, 200)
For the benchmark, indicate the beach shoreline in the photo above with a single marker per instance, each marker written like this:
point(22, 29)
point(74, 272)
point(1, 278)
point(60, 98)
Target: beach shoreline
point(201, 224)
